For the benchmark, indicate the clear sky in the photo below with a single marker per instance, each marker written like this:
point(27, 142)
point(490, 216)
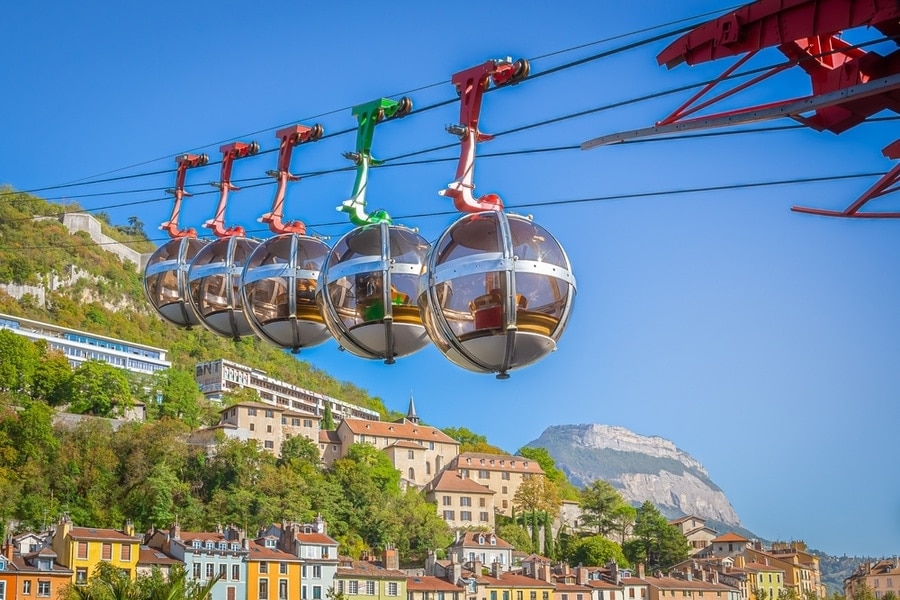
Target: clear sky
point(761, 341)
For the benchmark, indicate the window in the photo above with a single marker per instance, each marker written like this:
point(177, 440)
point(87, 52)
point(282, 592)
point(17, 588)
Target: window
point(482, 502)
point(317, 569)
point(82, 550)
point(482, 474)
point(449, 515)
point(235, 572)
point(230, 593)
point(392, 585)
point(465, 501)
point(504, 475)
point(197, 568)
point(223, 545)
point(520, 594)
point(26, 587)
point(410, 454)
point(565, 597)
point(2, 590)
point(340, 586)
point(270, 413)
point(106, 551)
point(263, 589)
point(263, 567)
point(210, 570)
point(303, 593)
point(532, 595)
point(252, 426)
point(504, 490)
point(493, 594)
point(545, 595)
point(412, 474)
point(353, 587)
point(268, 429)
point(223, 571)
point(465, 515)
point(282, 568)
point(307, 423)
point(483, 516)
point(370, 588)
point(448, 501)
point(251, 412)
point(506, 504)
point(44, 588)
point(282, 589)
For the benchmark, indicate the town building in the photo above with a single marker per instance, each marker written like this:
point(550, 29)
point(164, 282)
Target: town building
point(879, 577)
point(153, 558)
point(368, 580)
point(694, 528)
point(429, 587)
point(318, 554)
point(207, 555)
point(80, 347)
point(33, 574)
point(484, 547)
point(219, 376)
point(81, 549)
point(418, 452)
point(272, 573)
point(462, 503)
point(501, 473)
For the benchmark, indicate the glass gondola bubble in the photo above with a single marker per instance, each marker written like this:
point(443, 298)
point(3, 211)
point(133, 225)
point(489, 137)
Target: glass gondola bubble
point(498, 292)
point(368, 291)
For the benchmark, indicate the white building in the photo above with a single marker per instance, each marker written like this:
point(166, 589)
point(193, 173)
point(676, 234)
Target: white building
point(218, 376)
point(80, 347)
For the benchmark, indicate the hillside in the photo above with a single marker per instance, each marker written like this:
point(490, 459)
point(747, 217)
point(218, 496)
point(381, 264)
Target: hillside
point(87, 288)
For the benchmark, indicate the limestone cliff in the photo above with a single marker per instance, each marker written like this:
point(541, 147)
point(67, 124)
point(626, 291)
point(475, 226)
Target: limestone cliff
point(640, 467)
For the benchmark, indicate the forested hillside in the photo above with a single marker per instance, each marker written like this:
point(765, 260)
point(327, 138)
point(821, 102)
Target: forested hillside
point(107, 298)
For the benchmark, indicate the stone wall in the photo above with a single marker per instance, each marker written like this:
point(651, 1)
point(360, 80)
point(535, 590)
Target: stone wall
point(85, 222)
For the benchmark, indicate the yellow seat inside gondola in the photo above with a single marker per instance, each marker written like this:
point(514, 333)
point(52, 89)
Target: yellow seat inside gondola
point(535, 322)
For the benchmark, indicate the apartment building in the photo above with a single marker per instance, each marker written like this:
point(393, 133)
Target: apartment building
point(501, 473)
point(80, 346)
point(880, 577)
point(461, 502)
point(219, 376)
point(694, 528)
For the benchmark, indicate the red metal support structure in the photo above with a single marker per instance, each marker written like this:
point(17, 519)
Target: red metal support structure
point(185, 162)
point(230, 153)
point(290, 138)
point(849, 84)
point(471, 85)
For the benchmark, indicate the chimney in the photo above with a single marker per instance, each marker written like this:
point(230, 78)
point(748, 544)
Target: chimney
point(129, 528)
point(175, 531)
point(321, 525)
point(9, 549)
point(454, 573)
point(581, 575)
point(476, 567)
point(390, 559)
point(430, 560)
point(496, 569)
point(640, 570)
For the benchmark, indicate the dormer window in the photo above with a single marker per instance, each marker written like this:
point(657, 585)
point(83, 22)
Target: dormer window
point(235, 546)
point(2, 565)
point(468, 461)
point(195, 544)
point(209, 545)
point(493, 541)
point(270, 543)
point(223, 545)
point(482, 461)
point(512, 463)
point(481, 539)
point(525, 464)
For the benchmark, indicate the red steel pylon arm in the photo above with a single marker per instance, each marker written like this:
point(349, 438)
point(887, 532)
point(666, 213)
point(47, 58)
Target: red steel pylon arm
point(185, 162)
point(886, 185)
point(471, 85)
point(230, 153)
point(290, 137)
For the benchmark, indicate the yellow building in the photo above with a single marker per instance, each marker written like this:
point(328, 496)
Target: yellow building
point(81, 549)
point(272, 574)
point(509, 586)
point(501, 473)
point(363, 580)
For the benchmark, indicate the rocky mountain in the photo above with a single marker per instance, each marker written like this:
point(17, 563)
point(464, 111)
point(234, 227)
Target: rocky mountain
point(640, 467)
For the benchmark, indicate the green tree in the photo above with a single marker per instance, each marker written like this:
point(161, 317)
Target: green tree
point(517, 536)
point(656, 543)
point(470, 441)
point(564, 488)
point(299, 448)
point(327, 418)
point(599, 501)
point(861, 592)
point(538, 497)
point(421, 528)
point(622, 521)
point(51, 376)
point(19, 358)
point(179, 396)
point(99, 389)
point(596, 550)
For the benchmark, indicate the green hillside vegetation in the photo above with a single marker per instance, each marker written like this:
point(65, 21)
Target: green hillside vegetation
point(112, 302)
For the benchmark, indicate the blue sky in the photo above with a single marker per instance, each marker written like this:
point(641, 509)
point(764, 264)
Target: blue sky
point(761, 341)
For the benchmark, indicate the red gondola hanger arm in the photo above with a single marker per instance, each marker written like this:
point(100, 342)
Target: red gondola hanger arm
point(887, 184)
point(185, 162)
point(290, 137)
point(471, 85)
point(230, 153)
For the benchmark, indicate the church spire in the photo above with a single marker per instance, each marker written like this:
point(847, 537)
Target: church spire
point(411, 415)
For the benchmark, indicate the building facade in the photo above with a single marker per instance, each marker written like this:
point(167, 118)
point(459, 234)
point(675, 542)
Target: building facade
point(501, 473)
point(219, 376)
point(81, 549)
point(80, 347)
point(462, 503)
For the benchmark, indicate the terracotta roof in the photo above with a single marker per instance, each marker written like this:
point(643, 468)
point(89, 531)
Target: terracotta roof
point(470, 538)
point(671, 583)
point(496, 462)
point(316, 538)
point(401, 430)
point(258, 551)
point(361, 568)
point(20, 564)
point(328, 437)
point(450, 481)
point(406, 444)
point(730, 537)
point(152, 556)
point(251, 404)
point(537, 558)
point(686, 518)
point(291, 412)
point(514, 580)
point(428, 583)
point(756, 566)
point(602, 583)
point(571, 587)
point(90, 533)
